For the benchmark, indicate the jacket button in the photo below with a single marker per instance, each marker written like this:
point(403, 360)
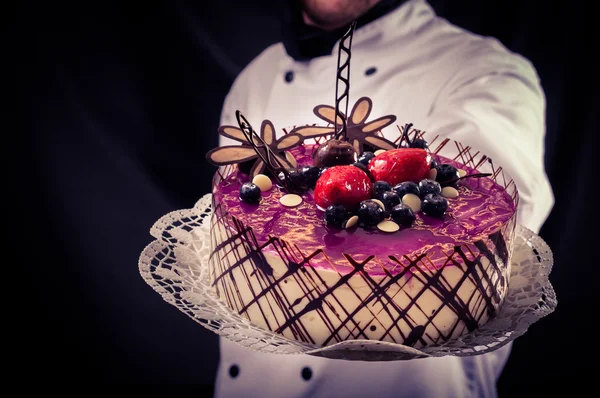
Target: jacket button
point(289, 76)
point(370, 71)
point(234, 371)
point(306, 373)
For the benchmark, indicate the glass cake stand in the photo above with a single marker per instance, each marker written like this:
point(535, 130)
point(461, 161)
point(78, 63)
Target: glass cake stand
point(175, 265)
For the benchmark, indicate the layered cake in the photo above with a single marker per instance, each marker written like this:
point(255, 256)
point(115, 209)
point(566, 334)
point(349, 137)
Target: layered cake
point(324, 238)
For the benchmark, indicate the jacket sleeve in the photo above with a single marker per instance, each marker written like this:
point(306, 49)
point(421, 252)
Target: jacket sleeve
point(495, 103)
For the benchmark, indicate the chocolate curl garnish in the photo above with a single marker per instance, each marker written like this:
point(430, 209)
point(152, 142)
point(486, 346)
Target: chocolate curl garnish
point(341, 69)
point(404, 137)
point(232, 154)
point(263, 151)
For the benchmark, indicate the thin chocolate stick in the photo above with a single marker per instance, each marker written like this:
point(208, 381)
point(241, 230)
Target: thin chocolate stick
point(407, 127)
point(346, 80)
point(478, 175)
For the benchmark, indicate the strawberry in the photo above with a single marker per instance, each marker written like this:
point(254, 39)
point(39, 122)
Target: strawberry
point(400, 165)
point(342, 185)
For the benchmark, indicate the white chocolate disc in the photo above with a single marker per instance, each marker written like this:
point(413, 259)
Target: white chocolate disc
point(352, 221)
point(412, 201)
point(263, 182)
point(290, 200)
point(449, 192)
point(388, 226)
point(462, 172)
point(379, 202)
point(378, 152)
point(432, 174)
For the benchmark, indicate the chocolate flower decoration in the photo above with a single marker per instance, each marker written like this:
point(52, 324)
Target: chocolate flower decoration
point(359, 131)
point(231, 154)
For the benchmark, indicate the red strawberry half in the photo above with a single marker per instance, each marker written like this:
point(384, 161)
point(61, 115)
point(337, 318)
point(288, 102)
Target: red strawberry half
point(342, 185)
point(399, 165)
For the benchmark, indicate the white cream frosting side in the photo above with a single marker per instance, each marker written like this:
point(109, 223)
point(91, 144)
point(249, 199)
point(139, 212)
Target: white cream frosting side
point(393, 309)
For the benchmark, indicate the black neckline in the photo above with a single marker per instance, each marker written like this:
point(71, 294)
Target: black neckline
point(303, 42)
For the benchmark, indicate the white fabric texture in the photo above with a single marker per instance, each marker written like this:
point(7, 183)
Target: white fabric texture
point(442, 79)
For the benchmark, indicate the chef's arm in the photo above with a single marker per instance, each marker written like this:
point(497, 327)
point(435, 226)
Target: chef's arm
point(496, 105)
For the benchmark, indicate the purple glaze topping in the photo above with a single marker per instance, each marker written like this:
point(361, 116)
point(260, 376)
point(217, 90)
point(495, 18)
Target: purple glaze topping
point(481, 209)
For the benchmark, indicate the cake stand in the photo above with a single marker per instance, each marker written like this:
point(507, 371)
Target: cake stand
point(175, 265)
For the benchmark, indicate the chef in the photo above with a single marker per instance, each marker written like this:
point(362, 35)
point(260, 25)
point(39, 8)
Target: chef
point(428, 72)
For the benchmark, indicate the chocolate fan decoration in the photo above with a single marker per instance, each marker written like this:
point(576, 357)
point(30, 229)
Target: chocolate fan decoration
point(359, 131)
point(255, 147)
point(274, 163)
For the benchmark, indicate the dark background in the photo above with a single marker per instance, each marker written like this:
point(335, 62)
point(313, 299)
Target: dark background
point(124, 101)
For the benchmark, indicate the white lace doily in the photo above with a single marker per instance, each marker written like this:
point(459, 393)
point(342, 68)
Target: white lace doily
point(176, 266)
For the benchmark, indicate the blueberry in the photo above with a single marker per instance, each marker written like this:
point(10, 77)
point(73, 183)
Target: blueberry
point(369, 213)
point(366, 157)
point(249, 193)
point(419, 143)
point(390, 199)
point(298, 180)
point(335, 215)
point(310, 175)
point(446, 173)
point(434, 205)
point(428, 186)
point(433, 164)
point(406, 187)
point(296, 175)
point(379, 187)
point(403, 215)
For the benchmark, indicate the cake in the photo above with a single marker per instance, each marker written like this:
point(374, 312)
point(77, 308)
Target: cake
point(317, 237)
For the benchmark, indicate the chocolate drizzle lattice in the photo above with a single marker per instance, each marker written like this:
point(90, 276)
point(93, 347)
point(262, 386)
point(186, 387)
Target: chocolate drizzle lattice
point(386, 311)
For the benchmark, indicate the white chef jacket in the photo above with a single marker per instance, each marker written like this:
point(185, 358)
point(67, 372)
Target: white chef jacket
point(442, 79)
